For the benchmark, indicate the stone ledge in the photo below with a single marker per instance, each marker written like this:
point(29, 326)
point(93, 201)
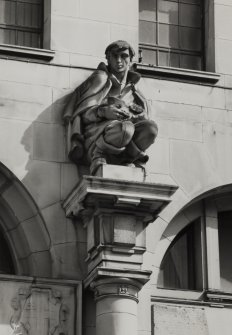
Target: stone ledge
point(141, 276)
point(177, 73)
point(26, 52)
point(117, 194)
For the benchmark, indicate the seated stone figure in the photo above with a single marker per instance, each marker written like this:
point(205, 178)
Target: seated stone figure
point(107, 116)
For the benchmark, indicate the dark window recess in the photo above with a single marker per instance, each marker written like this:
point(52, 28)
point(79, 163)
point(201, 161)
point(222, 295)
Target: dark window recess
point(21, 22)
point(171, 33)
point(225, 250)
point(181, 267)
point(6, 262)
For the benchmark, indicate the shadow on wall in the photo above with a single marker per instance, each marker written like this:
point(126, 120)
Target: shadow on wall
point(50, 177)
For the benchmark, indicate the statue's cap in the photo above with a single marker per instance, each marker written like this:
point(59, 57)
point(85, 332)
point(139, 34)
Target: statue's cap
point(120, 45)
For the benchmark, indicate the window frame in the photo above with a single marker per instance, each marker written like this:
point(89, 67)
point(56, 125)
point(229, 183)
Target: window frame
point(45, 53)
point(208, 75)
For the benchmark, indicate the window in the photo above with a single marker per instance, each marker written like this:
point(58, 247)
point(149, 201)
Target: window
point(181, 267)
point(199, 258)
point(21, 22)
point(171, 33)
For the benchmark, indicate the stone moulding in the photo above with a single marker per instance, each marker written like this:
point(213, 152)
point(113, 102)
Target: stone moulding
point(117, 194)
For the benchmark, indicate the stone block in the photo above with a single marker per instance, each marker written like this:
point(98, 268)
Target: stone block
point(69, 178)
point(176, 111)
point(110, 11)
point(35, 74)
point(192, 167)
point(179, 200)
point(79, 36)
point(22, 110)
point(154, 231)
point(61, 230)
point(43, 182)
point(172, 319)
point(176, 129)
point(158, 157)
point(223, 56)
point(40, 264)
point(86, 61)
point(23, 92)
point(17, 138)
point(18, 201)
point(48, 142)
point(36, 233)
point(223, 23)
point(144, 310)
point(69, 260)
point(217, 139)
point(183, 93)
point(215, 115)
point(77, 77)
point(61, 58)
point(71, 8)
point(18, 239)
point(120, 172)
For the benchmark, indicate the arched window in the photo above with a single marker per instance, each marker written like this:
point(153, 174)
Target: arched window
point(21, 22)
point(181, 267)
point(199, 259)
point(171, 33)
point(6, 262)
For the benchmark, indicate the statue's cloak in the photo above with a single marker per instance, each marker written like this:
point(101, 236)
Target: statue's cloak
point(89, 95)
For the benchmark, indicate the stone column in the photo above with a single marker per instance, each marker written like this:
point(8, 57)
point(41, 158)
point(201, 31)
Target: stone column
point(116, 306)
point(115, 213)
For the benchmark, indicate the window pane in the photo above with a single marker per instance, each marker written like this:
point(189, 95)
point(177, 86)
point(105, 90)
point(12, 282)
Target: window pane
point(190, 39)
point(190, 15)
point(169, 59)
point(168, 12)
point(190, 62)
point(225, 249)
point(149, 56)
point(22, 19)
point(168, 35)
point(147, 32)
point(7, 36)
point(7, 12)
point(181, 267)
point(147, 10)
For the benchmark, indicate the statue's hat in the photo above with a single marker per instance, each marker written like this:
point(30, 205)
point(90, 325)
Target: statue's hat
point(120, 45)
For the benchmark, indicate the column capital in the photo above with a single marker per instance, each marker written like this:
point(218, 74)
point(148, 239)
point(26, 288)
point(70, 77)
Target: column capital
point(116, 287)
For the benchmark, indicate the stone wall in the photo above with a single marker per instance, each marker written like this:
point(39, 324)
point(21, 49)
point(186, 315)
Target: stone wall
point(193, 148)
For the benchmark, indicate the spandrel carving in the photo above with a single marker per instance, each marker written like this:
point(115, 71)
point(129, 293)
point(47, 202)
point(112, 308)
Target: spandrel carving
point(107, 116)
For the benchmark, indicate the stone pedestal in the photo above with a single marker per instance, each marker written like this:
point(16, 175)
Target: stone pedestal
point(115, 213)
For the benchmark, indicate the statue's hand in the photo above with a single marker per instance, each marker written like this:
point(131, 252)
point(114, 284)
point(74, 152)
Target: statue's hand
point(113, 113)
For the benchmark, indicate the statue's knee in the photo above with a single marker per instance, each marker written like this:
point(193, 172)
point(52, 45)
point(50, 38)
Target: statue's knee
point(152, 129)
point(119, 133)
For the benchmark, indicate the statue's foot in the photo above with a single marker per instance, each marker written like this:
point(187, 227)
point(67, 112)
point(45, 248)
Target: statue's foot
point(95, 165)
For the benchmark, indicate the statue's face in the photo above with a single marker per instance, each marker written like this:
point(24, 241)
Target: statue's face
point(119, 60)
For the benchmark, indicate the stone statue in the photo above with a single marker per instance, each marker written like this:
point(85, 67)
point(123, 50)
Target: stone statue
point(107, 115)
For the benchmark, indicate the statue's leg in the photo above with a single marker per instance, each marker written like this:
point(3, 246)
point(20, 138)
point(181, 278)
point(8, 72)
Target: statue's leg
point(144, 135)
point(112, 143)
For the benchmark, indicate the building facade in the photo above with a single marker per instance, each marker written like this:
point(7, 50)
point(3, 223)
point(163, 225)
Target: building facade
point(183, 52)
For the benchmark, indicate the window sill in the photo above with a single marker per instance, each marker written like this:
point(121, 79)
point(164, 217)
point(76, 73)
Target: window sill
point(26, 52)
point(176, 73)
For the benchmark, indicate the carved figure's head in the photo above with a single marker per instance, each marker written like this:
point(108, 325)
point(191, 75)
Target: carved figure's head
point(119, 45)
point(119, 55)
